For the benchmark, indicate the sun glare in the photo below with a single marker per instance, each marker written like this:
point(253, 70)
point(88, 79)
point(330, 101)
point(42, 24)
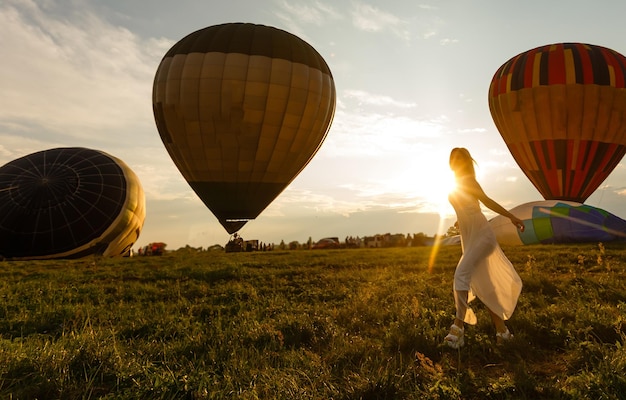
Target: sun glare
point(430, 186)
point(439, 185)
point(425, 183)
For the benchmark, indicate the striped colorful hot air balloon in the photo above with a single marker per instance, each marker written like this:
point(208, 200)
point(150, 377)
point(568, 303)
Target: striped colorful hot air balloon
point(242, 109)
point(69, 203)
point(561, 109)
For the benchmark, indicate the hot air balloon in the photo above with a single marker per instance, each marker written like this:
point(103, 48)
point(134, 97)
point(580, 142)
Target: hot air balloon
point(69, 203)
point(561, 109)
point(556, 221)
point(241, 109)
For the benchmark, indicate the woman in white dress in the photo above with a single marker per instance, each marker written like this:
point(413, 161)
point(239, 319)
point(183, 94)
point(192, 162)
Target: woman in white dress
point(483, 270)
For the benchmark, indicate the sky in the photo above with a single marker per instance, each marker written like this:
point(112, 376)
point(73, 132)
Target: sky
point(411, 79)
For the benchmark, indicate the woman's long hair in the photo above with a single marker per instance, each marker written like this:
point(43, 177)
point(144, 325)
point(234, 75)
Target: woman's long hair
point(465, 164)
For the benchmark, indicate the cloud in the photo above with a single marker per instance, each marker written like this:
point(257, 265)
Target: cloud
point(315, 13)
point(314, 202)
point(14, 146)
point(372, 19)
point(430, 25)
point(76, 78)
point(427, 7)
point(295, 15)
point(447, 41)
point(621, 192)
point(160, 181)
point(364, 97)
point(377, 135)
point(348, 199)
point(472, 130)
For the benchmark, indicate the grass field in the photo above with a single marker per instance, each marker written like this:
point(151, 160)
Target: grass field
point(336, 324)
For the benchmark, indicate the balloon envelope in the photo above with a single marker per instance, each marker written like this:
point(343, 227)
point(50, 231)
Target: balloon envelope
point(242, 109)
point(554, 221)
point(561, 109)
point(69, 203)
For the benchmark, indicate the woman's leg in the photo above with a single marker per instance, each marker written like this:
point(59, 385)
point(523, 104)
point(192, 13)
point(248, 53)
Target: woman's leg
point(502, 332)
point(455, 338)
point(460, 302)
point(498, 322)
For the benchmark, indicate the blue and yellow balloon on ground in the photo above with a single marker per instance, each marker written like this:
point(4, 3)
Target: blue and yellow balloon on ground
point(557, 221)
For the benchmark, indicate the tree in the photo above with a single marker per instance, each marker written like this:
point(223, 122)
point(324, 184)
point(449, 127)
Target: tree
point(453, 231)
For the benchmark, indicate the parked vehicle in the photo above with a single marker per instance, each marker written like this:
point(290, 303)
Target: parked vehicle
point(327, 243)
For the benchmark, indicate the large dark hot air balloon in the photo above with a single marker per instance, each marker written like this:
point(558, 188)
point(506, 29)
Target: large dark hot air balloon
point(242, 109)
point(69, 203)
point(561, 109)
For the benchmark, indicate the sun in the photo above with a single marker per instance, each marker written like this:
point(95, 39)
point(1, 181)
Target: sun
point(424, 183)
point(438, 185)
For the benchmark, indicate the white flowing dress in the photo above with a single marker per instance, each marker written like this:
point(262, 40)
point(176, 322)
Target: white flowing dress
point(483, 270)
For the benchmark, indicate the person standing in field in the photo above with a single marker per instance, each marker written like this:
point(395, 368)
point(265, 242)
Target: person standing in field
point(483, 270)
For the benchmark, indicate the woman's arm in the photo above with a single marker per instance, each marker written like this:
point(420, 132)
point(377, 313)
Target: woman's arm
point(476, 190)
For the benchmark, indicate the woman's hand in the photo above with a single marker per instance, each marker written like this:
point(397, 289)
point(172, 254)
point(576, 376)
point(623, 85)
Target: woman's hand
point(519, 224)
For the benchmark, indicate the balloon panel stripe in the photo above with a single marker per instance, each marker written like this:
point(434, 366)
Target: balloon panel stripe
point(556, 177)
point(599, 67)
point(585, 62)
point(561, 64)
point(608, 155)
point(248, 39)
point(555, 69)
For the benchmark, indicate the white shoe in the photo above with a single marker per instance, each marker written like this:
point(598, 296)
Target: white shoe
point(455, 338)
point(502, 337)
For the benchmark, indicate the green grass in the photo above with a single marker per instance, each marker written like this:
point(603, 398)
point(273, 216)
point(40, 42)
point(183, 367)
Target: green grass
point(337, 324)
